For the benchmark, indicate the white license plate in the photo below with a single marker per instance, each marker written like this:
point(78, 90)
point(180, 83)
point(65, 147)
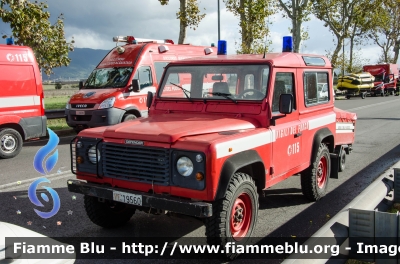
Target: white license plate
point(127, 198)
point(80, 112)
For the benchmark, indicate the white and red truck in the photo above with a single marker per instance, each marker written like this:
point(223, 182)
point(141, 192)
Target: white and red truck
point(107, 97)
point(209, 153)
point(386, 78)
point(22, 113)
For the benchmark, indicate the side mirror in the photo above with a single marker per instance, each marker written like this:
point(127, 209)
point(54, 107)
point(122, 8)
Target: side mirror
point(135, 86)
point(80, 85)
point(286, 103)
point(149, 99)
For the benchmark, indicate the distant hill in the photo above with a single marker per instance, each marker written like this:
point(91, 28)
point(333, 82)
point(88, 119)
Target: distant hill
point(83, 61)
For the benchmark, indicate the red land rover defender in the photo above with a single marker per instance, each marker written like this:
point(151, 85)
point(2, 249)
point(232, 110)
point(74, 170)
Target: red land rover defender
point(21, 99)
point(209, 153)
point(107, 97)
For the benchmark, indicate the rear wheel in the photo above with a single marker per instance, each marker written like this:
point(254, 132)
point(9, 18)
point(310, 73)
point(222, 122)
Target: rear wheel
point(10, 143)
point(348, 96)
point(314, 180)
point(234, 216)
point(107, 214)
point(342, 160)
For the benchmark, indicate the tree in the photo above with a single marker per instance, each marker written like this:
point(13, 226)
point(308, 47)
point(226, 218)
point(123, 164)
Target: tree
point(31, 27)
point(298, 12)
point(188, 15)
point(253, 27)
point(341, 16)
point(387, 34)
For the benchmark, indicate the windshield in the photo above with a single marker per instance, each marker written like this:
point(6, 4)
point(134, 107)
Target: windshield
point(109, 77)
point(216, 82)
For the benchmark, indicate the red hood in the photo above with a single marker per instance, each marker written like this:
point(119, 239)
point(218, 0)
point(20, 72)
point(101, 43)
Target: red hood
point(92, 95)
point(169, 128)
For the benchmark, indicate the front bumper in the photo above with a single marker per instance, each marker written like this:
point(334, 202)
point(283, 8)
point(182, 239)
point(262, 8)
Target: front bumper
point(156, 201)
point(94, 117)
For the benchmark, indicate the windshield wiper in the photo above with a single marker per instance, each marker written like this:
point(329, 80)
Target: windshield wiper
point(184, 91)
point(225, 95)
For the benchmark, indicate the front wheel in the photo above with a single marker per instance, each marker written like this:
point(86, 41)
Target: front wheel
point(107, 214)
point(314, 180)
point(234, 216)
point(128, 117)
point(10, 143)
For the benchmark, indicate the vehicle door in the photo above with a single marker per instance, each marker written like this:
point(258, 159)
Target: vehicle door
point(287, 145)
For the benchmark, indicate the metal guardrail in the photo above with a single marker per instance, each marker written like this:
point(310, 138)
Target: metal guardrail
point(338, 227)
point(54, 114)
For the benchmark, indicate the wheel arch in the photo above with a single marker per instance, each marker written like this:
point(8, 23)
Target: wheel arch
point(16, 127)
point(131, 110)
point(248, 162)
point(323, 135)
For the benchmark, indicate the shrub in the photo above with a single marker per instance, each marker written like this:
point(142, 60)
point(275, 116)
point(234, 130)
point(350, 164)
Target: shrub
point(58, 86)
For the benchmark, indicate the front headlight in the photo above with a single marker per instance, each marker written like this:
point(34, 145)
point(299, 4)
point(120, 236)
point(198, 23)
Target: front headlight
point(67, 106)
point(92, 154)
point(108, 103)
point(184, 166)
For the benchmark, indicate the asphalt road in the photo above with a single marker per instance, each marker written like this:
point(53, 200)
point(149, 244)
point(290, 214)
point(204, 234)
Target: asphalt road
point(284, 212)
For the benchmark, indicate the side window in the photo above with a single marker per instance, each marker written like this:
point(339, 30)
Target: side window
point(159, 66)
point(284, 84)
point(144, 76)
point(316, 88)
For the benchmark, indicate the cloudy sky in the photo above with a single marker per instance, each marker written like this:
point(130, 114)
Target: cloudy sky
point(93, 23)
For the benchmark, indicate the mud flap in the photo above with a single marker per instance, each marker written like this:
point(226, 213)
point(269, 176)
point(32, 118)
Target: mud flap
point(334, 166)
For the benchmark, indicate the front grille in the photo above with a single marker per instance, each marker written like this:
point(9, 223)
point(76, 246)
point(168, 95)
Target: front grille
point(136, 163)
point(82, 106)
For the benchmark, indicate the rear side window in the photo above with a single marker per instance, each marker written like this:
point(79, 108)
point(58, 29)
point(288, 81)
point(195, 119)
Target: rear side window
point(316, 88)
point(17, 80)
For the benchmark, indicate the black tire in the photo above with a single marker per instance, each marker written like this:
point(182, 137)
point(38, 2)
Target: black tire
point(78, 129)
point(108, 214)
point(314, 180)
point(128, 117)
point(220, 228)
point(348, 96)
point(10, 143)
point(342, 160)
point(362, 95)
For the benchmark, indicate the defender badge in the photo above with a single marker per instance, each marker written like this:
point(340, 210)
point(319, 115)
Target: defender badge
point(134, 142)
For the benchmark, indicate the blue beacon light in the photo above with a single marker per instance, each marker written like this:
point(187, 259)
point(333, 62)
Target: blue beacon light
point(221, 47)
point(10, 41)
point(287, 44)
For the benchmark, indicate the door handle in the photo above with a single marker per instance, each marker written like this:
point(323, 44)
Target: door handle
point(298, 135)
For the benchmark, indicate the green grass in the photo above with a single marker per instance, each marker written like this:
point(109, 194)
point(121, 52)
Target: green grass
point(56, 102)
point(57, 124)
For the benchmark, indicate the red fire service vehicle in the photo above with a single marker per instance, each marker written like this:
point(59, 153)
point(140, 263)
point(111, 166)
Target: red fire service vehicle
point(210, 153)
point(386, 77)
point(107, 97)
point(21, 99)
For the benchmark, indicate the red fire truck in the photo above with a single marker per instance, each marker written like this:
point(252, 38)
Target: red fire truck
point(386, 76)
point(107, 97)
point(21, 99)
point(209, 153)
